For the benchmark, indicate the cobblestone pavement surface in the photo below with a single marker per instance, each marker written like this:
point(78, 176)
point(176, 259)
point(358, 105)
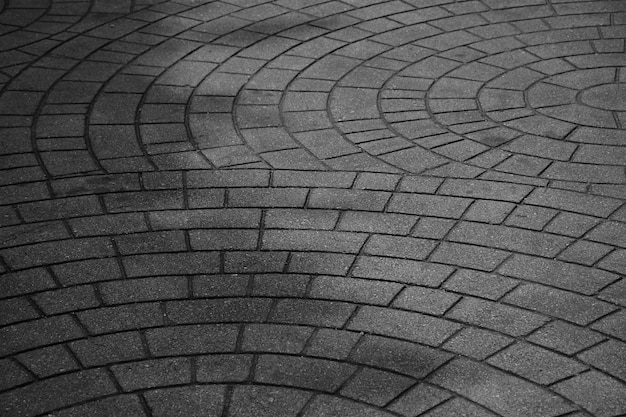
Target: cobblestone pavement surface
point(308, 208)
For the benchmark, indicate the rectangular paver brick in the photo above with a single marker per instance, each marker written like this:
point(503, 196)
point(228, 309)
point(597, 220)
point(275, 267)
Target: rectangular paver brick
point(275, 338)
point(102, 350)
point(406, 358)
point(572, 307)
point(143, 201)
point(469, 256)
point(221, 310)
point(153, 373)
point(508, 238)
point(348, 199)
point(301, 219)
point(67, 299)
point(429, 205)
point(318, 240)
point(577, 278)
point(228, 179)
point(172, 264)
point(268, 197)
point(57, 392)
point(399, 246)
point(32, 334)
point(354, 290)
point(312, 312)
point(206, 218)
point(372, 222)
point(375, 386)
point(221, 239)
point(406, 325)
point(143, 289)
point(60, 208)
point(120, 318)
point(317, 374)
point(320, 263)
point(401, 270)
point(52, 252)
point(194, 339)
point(32, 233)
point(487, 386)
point(221, 368)
point(489, 190)
point(504, 319)
point(572, 201)
point(254, 262)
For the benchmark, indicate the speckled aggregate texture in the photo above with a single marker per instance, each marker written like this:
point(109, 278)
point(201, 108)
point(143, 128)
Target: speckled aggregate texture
point(312, 208)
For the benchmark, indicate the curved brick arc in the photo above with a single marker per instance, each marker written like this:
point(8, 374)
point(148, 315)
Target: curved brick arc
point(427, 220)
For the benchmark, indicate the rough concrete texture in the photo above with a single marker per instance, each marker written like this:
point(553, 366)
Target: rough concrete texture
point(309, 208)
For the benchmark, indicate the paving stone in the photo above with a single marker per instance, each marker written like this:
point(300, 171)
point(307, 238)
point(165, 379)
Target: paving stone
point(320, 263)
point(275, 338)
point(401, 270)
point(223, 368)
point(128, 404)
point(318, 313)
point(302, 372)
point(426, 205)
point(61, 391)
point(143, 289)
point(67, 299)
point(585, 390)
point(432, 228)
point(278, 285)
point(48, 361)
point(482, 384)
point(386, 223)
point(33, 233)
point(480, 284)
point(418, 399)
point(608, 357)
point(396, 246)
point(332, 344)
point(585, 252)
point(119, 318)
point(565, 337)
point(613, 325)
point(354, 290)
point(195, 339)
point(102, 350)
point(425, 300)
point(562, 304)
point(186, 181)
point(267, 401)
point(469, 256)
point(348, 199)
point(403, 325)
point(186, 401)
point(577, 278)
point(399, 356)
point(301, 219)
point(537, 364)
point(12, 375)
point(321, 241)
point(375, 387)
point(570, 201)
point(152, 373)
point(498, 317)
point(508, 238)
point(218, 310)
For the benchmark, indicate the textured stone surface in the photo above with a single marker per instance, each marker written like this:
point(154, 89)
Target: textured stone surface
point(312, 208)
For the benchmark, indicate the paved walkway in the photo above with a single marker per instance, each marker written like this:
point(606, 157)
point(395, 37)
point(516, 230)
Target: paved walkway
point(309, 208)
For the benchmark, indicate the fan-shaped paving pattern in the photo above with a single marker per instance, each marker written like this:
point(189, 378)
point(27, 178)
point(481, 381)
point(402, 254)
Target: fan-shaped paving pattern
point(428, 220)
